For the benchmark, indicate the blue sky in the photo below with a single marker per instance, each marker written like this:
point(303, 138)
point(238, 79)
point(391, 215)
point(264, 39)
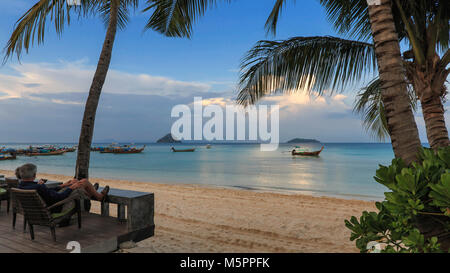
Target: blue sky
point(42, 97)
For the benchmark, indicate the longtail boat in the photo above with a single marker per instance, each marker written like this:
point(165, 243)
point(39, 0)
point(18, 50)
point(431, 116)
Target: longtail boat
point(69, 150)
point(23, 151)
point(182, 151)
point(130, 151)
point(7, 151)
point(306, 153)
point(57, 152)
point(107, 151)
point(5, 157)
point(122, 150)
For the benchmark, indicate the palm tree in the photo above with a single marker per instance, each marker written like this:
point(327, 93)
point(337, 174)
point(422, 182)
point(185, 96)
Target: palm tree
point(352, 16)
point(90, 110)
point(425, 25)
point(32, 26)
point(114, 12)
point(318, 63)
point(400, 118)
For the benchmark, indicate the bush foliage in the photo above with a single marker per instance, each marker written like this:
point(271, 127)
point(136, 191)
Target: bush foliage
point(421, 190)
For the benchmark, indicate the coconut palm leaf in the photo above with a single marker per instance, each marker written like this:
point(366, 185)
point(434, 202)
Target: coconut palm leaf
point(303, 63)
point(31, 26)
point(369, 105)
point(272, 21)
point(351, 17)
point(126, 6)
point(175, 18)
point(419, 21)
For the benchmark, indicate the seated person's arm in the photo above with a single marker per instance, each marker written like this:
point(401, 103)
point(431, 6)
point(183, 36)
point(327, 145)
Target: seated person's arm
point(52, 196)
point(68, 183)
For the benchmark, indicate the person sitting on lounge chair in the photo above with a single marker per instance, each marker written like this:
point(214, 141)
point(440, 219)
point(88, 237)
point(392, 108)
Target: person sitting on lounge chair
point(27, 175)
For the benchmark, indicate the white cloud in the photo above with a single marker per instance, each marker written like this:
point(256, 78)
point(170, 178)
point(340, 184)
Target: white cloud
point(304, 104)
point(67, 102)
point(221, 101)
point(74, 77)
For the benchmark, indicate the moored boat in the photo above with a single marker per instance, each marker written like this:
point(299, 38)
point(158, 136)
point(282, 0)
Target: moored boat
point(183, 151)
point(4, 150)
point(57, 152)
point(307, 153)
point(23, 151)
point(69, 150)
point(122, 150)
point(12, 156)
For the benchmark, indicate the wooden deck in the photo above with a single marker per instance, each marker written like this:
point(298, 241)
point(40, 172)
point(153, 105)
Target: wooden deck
point(97, 234)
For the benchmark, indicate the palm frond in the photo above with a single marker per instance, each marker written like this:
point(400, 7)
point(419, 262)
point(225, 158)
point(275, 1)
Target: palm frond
point(430, 19)
point(349, 17)
point(123, 14)
point(303, 63)
point(175, 18)
point(369, 105)
point(272, 21)
point(31, 27)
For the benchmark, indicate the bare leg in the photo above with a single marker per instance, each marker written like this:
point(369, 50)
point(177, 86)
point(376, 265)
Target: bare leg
point(90, 190)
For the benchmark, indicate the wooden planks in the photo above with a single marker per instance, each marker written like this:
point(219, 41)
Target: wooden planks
point(98, 234)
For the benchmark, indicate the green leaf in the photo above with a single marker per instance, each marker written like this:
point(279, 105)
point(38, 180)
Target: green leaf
point(303, 64)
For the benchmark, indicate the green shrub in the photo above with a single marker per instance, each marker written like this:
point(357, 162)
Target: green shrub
point(416, 192)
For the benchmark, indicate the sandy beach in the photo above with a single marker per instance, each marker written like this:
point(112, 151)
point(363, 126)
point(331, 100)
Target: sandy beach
point(191, 218)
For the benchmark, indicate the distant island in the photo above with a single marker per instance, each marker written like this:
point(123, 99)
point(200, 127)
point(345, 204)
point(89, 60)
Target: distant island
point(303, 140)
point(168, 139)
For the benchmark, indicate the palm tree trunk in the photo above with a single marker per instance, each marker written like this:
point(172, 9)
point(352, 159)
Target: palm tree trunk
point(429, 84)
point(430, 87)
point(87, 127)
point(400, 118)
point(433, 114)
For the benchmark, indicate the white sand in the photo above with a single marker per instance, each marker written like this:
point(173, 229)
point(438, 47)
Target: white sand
point(192, 218)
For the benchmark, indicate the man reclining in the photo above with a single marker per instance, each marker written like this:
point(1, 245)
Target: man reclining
point(51, 196)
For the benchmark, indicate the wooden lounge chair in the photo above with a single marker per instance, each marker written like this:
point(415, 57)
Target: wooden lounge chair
point(16, 208)
point(10, 183)
point(36, 212)
point(4, 196)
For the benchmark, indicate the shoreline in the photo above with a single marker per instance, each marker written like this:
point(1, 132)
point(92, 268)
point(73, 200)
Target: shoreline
point(262, 189)
point(203, 219)
point(314, 193)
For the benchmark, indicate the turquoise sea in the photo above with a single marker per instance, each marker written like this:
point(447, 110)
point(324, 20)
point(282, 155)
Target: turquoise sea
point(343, 169)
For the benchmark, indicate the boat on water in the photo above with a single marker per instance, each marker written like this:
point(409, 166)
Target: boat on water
point(182, 151)
point(12, 156)
point(4, 150)
point(46, 153)
point(122, 150)
point(69, 150)
point(208, 146)
point(22, 151)
point(299, 151)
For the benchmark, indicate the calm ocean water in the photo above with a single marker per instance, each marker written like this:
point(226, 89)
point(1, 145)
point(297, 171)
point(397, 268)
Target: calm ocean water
point(343, 170)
